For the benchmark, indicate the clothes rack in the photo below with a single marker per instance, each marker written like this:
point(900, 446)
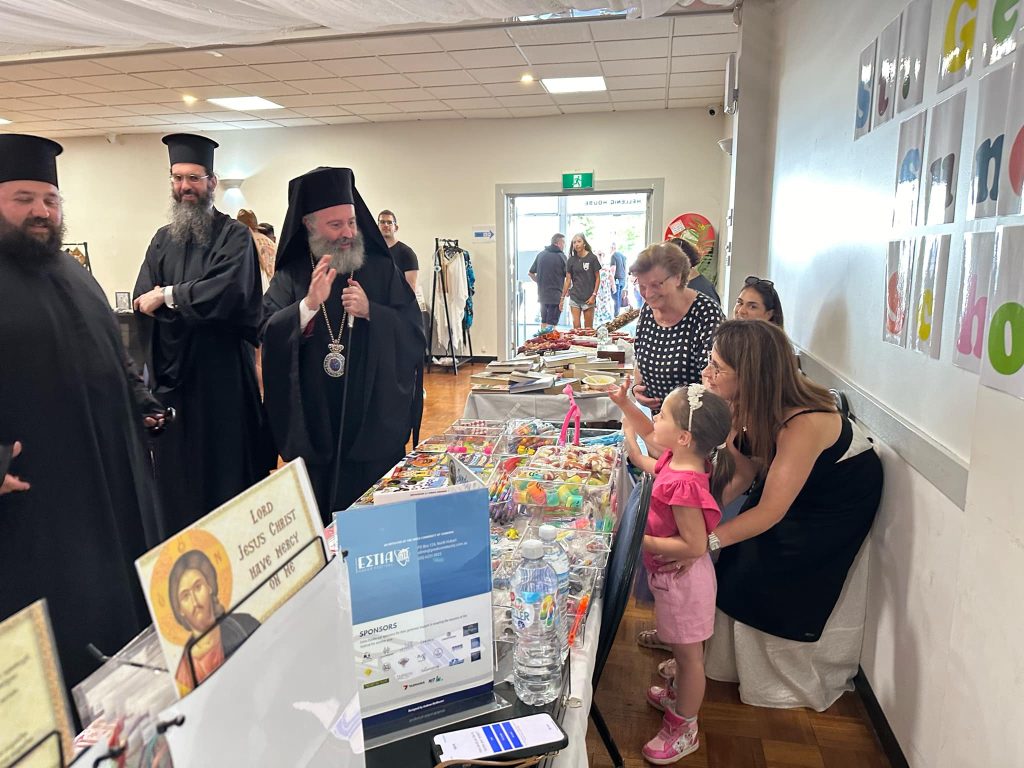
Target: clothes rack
point(446, 250)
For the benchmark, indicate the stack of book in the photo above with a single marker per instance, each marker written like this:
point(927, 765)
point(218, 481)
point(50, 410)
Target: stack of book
point(518, 382)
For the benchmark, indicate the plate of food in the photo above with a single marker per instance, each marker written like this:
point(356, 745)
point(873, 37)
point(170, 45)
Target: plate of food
point(599, 381)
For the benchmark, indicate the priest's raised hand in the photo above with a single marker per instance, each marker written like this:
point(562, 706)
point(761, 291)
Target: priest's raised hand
point(320, 284)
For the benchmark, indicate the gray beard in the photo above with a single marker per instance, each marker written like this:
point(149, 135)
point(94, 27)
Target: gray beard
point(342, 260)
point(191, 220)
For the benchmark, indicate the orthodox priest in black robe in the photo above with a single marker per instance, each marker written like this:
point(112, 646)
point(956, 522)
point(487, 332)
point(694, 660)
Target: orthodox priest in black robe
point(342, 343)
point(200, 284)
point(74, 502)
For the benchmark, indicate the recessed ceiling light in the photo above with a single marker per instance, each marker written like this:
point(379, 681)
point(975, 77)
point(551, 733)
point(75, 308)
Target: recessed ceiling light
point(4, 122)
point(189, 99)
point(245, 103)
point(527, 78)
point(216, 54)
point(573, 84)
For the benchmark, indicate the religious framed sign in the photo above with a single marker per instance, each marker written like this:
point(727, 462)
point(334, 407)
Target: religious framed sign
point(212, 585)
point(122, 302)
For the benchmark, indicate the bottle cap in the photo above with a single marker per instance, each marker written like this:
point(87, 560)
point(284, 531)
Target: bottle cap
point(548, 532)
point(531, 549)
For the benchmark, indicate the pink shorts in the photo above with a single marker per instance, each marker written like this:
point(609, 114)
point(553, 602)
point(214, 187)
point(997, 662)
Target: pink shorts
point(684, 604)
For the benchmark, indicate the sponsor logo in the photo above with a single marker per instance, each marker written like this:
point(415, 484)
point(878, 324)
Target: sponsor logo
point(385, 559)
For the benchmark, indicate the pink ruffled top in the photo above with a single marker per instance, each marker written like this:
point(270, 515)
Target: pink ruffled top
point(680, 488)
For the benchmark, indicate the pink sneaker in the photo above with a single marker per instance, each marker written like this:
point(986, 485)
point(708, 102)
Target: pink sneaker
point(673, 742)
point(662, 698)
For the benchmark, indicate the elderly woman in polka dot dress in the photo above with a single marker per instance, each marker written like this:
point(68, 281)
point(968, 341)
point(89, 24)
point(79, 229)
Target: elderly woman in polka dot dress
point(675, 328)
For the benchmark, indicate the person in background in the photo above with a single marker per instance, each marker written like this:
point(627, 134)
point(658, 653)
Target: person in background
point(266, 248)
point(675, 326)
point(582, 280)
point(696, 280)
point(267, 229)
point(548, 272)
point(404, 256)
point(200, 284)
point(619, 276)
point(758, 300)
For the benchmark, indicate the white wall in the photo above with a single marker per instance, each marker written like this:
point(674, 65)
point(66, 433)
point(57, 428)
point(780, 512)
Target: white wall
point(438, 176)
point(942, 648)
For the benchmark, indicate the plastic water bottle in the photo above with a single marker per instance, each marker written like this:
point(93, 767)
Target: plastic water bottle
point(556, 556)
point(536, 656)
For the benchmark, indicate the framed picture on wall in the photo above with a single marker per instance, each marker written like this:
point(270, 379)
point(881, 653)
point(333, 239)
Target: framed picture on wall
point(122, 301)
point(79, 252)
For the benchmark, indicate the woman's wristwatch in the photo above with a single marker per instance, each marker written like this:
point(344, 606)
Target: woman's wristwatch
point(713, 543)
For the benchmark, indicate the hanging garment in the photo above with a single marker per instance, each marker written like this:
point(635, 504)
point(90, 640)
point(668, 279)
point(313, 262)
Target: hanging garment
point(456, 288)
point(471, 282)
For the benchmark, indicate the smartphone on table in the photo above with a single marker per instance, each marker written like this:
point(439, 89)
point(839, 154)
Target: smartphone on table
point(509, 740)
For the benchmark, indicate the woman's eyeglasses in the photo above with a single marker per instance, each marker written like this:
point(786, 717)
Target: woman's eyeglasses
point(755, 280)
point(644, 288)
point(715, 369)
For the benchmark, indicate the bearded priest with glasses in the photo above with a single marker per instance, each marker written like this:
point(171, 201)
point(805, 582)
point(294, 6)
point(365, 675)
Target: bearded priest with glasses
point(200, 284)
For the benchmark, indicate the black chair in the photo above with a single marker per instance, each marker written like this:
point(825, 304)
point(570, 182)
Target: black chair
point(622, 563)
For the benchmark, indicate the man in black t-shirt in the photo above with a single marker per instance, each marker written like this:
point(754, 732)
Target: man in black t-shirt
point(404, 256)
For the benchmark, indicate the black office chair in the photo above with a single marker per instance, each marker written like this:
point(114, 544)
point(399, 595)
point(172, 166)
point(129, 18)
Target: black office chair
point(622, 563)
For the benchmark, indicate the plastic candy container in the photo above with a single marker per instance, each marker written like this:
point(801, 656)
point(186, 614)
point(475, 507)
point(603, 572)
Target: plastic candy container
point(549, 489)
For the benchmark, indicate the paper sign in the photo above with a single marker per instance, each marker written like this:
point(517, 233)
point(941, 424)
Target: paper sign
point(885, 74)
point(989, 144)
point(865, 81)
point(1002, 365)
point(483, 233)
point(999, 38)
point(943, 166)
point(421, 601)
point(255, 543)
point(930, 294)
point(956, 58)
point(32, 699)
point(909, 166)
point(1011, 177)
point(898, 274)
point(972, 305)
point(913, 51)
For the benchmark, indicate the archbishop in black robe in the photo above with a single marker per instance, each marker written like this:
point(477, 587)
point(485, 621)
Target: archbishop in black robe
point(202, 363)
point(352, 429)
point(66, 392)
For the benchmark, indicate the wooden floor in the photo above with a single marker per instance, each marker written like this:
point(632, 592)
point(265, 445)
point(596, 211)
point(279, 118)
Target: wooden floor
point(733, 735)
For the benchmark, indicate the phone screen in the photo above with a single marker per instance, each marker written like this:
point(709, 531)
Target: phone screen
point(498, 738)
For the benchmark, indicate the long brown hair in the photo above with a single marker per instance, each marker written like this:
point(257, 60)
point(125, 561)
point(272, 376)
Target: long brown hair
point(710, 427)
point(768, 382)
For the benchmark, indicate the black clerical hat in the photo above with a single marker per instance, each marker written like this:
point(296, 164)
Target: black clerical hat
point(28, 158)
point(318, 189)
point(189, 148)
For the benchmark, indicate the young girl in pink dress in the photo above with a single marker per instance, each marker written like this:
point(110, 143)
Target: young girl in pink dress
point(691, 473)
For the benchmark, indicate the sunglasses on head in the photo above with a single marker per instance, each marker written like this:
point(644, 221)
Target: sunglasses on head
point(755, 280)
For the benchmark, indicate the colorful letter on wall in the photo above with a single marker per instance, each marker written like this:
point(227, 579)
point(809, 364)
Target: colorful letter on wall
point(1011, 179)
point(1000, 38)
point(989, 143)
point(957, 42)
point(1002, 365)
point(885, 74)
point(913, 50)
point(909, 167)
point(865, 81)
point(929, 294)
point(899, 271)
point(972, 306)
point(944, 159)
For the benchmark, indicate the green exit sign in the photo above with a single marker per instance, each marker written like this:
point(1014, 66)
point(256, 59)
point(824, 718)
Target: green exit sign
point(578, 180)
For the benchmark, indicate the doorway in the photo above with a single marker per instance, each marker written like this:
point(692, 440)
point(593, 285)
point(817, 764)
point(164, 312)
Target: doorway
point(621, 219)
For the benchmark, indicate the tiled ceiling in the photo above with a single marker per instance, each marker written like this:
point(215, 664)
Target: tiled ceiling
point(661, 63)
